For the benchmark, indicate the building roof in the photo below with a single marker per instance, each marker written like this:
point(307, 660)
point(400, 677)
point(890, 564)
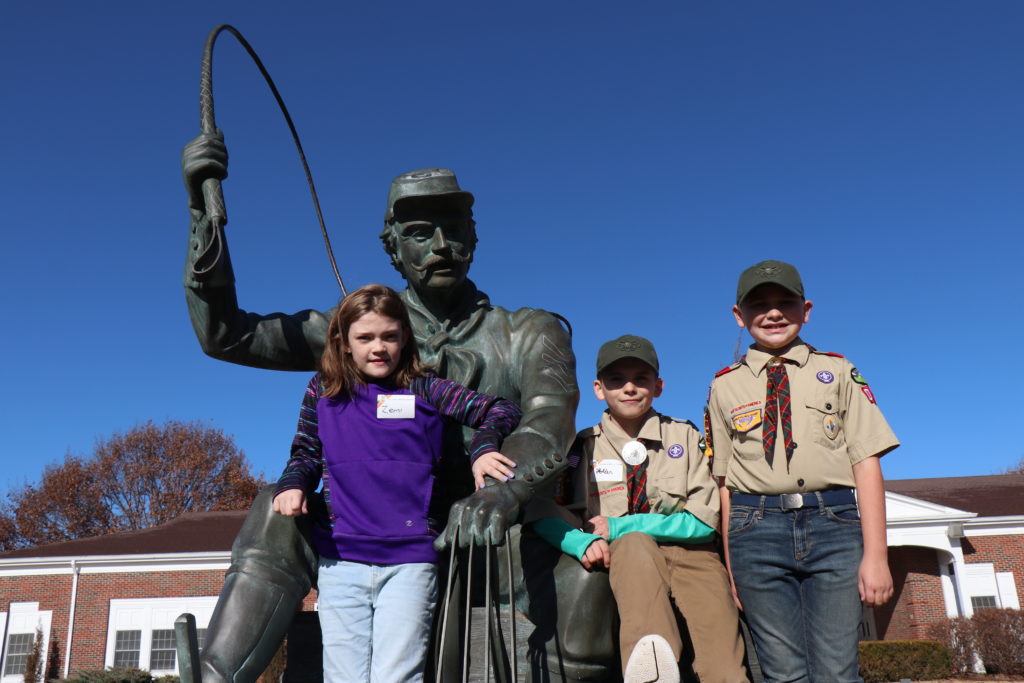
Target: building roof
point(996, 495)
point(191, 533)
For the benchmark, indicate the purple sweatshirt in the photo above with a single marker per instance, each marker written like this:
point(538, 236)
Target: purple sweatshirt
point(379, 473)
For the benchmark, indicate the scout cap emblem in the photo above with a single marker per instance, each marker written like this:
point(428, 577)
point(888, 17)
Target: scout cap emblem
point(634, 453)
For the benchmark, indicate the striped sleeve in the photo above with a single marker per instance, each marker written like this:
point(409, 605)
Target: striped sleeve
point(493, 418)
point(306, 464)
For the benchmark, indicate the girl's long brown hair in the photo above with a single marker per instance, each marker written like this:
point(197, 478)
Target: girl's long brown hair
point(337, 372)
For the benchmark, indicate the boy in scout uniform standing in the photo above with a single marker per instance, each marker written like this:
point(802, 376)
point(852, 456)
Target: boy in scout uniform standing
point(794, 431)
point(644, 485)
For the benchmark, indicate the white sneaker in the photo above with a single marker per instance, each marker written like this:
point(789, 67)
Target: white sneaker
point(652, 660)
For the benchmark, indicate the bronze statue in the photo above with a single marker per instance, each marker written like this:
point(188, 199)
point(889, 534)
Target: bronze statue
point(523, 355)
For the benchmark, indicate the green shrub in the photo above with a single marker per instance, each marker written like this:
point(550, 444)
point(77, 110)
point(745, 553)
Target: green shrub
point(891, 660)
point(112, 675)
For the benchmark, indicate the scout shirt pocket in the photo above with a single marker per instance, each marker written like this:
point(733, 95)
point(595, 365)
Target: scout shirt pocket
point(745, 422)
point(825, 426)
point(606, 492)
point(667, 492)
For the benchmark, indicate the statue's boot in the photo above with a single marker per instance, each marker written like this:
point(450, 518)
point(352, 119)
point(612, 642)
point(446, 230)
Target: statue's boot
point(273, 566)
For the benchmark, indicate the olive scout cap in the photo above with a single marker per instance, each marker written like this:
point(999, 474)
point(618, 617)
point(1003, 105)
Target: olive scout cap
point(427, 182)
point(626, 346)
point(782, 274)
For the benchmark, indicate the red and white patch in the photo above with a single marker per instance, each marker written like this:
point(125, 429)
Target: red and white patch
point(867, 392)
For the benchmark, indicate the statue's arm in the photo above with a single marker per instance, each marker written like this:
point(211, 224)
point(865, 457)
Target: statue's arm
point(544, 368)
point(546, 374)
point(225, 331)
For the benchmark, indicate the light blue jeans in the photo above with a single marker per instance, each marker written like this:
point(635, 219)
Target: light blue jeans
point(796, 574)
point(375, 620)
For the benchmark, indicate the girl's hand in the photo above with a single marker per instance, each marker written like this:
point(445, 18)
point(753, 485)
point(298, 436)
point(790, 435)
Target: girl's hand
point(494, 465)
point(291, 503)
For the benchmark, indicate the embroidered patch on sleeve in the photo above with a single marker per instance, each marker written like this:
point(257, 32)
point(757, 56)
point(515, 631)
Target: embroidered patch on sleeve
point(867, 392)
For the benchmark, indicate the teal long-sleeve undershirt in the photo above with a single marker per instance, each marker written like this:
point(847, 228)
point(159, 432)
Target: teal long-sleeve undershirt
point(679, 527)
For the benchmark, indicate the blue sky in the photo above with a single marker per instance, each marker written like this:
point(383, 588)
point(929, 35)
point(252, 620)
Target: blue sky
point(628, 161)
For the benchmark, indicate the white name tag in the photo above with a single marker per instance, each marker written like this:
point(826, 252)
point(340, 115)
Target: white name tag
point(608, 470)
point(396, 406)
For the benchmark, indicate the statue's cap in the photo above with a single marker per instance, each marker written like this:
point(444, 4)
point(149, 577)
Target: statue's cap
point(626, 346)
point(777, 272)
point(426, 182)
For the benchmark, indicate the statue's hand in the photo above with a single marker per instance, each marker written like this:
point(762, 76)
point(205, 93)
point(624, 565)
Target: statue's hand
point(485, 516)
point(203, 157)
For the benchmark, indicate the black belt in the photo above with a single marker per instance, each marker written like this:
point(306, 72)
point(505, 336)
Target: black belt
point(795, 501)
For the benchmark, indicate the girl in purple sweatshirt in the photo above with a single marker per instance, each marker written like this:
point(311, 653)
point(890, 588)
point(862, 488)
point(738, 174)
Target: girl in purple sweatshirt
point(370, 428)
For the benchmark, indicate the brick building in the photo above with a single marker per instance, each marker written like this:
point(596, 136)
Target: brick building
point(112, 600)
point(956, 546)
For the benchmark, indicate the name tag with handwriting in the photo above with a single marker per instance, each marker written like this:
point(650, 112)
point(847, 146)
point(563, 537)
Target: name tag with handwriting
point(396, 406)
point(608, 470)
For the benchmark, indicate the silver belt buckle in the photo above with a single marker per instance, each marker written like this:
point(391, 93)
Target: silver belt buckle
point(792, 501)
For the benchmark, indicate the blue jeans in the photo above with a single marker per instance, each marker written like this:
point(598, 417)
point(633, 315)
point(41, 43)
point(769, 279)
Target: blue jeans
point(796, 574)
point(375, 620)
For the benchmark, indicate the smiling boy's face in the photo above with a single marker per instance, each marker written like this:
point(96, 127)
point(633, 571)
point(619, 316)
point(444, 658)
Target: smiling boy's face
point(773, 315)
point(629, 387)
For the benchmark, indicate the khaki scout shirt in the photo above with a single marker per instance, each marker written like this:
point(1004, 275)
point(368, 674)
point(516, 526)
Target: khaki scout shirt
point(678, 476)
point(836, 424)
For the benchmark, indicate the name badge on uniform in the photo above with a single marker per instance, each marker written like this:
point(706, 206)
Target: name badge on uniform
point(608, 470)
point(396, 406)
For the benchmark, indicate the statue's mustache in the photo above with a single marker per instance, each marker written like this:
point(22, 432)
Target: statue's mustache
point(454, 257)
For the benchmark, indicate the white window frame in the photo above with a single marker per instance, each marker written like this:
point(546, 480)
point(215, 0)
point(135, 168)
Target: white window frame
point(149, 614)
point(1007, 594)
point(24, 617)
point(979, 581)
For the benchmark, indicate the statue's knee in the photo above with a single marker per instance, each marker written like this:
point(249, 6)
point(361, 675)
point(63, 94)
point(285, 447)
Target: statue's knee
point(587, 614)
point(271, 543)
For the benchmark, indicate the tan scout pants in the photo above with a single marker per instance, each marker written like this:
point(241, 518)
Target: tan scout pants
point(646, 578)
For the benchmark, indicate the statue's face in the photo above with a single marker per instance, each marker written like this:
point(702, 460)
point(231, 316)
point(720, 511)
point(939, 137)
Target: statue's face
point(434, 245)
